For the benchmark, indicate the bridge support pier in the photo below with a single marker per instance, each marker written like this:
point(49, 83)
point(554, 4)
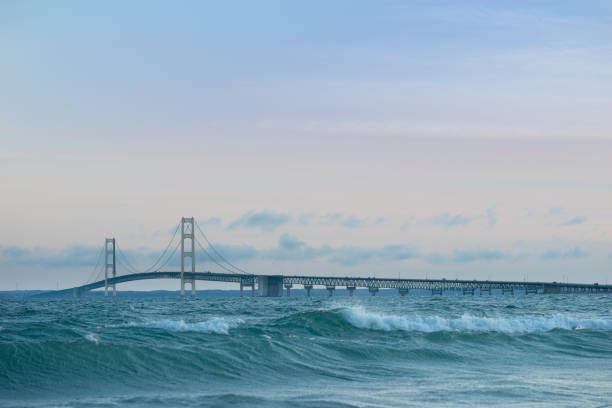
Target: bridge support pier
point(373, 290)
point(350, 289)
point(270, 286)
point(193, 287)
point(330, 289)
point(247, 284)
point(288, 286)
point(307, 288)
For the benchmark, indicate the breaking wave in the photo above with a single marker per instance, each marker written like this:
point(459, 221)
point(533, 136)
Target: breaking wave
point(219, 325)
point(140, 352)
point(360, 318)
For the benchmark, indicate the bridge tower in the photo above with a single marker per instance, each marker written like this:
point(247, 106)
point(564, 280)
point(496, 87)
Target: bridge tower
point(109, 255)
point(187, 251)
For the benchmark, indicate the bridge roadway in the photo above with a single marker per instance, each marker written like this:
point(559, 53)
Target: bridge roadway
point(272, 285)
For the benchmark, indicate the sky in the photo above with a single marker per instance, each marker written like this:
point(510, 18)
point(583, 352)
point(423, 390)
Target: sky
point(440, 139)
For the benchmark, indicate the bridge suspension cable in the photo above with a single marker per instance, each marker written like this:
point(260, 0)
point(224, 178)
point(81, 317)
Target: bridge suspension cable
point(155, 265)
point(211, 246)
point(213, 259)
point(166, 257)
point(124, 261)
point(178, 244)
point(99, 276)
point(93, 274)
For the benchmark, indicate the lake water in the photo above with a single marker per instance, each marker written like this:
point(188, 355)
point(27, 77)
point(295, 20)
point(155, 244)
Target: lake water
point(387, 351)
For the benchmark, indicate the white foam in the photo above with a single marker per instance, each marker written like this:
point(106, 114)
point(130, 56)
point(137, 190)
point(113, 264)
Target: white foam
point(92, 337)
point(218, 325)
point(363, 319)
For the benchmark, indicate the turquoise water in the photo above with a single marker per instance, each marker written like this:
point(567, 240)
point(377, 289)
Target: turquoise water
point(522, 351)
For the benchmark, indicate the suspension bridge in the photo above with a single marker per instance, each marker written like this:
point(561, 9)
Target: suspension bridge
point(113, 267)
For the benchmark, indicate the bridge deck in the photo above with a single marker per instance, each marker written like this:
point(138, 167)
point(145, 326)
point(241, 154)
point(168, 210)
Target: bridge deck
point(332, 281)
point(429, 283)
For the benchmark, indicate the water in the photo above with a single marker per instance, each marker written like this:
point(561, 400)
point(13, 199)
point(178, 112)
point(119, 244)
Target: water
point(523, 351)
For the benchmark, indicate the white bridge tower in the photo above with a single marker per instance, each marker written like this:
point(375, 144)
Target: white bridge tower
point(109, 255)
point(187, 251)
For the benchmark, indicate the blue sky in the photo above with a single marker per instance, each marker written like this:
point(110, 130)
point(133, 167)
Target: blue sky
point(459, 139)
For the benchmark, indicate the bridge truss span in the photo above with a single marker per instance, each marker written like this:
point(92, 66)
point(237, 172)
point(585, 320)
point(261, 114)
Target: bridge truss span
point(390, 283)
point(440, 285)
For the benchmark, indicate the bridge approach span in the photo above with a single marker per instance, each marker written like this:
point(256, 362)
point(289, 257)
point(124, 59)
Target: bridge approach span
point(439, 285)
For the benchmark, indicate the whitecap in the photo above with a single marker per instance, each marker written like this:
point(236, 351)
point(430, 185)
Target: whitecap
point(92, 337)
point(363, 319)
point(219, 325)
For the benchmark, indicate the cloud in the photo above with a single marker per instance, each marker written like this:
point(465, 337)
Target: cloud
point(344, 220)
point(291, 248)
point(572, 253)
point(491, 215)
point(72, 256)
point(266, 220)
point(353, 222)
point(232, 253)
point(269, 220)
point(210, 222)
point(451, 220)
point(352, 256)
point(397, 253)
point(319, 219)
point(408, 223)
point(478, 255)
point(556, 210)
point(349, 256)
point(574, 221)
point(84, 257)
point(290, 242)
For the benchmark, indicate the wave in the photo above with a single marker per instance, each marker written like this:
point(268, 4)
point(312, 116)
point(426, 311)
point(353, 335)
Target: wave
point(362, 319)
point(94, 338)
point(218, 325)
